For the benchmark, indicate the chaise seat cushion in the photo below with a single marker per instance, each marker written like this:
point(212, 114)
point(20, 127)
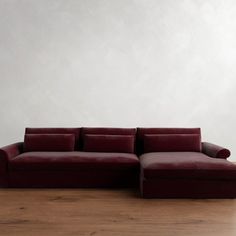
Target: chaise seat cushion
point(190, 165)
point(73, 161)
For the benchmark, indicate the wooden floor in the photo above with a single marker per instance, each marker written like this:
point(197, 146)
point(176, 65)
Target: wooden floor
point(110, 212)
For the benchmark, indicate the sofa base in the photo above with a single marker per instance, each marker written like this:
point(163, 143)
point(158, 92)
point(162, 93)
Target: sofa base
point(72, 179)
point(188, 188)
point(3, 181)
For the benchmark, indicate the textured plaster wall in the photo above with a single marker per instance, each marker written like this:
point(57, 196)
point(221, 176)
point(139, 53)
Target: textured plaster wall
point(122, 63)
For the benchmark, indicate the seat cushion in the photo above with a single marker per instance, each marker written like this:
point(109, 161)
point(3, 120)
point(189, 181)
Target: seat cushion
point(73, 161)
point(185, 165)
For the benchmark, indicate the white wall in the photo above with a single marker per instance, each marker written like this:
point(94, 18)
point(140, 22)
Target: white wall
point(118, 63)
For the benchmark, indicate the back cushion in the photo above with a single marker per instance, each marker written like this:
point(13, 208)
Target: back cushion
point(108, 143)
point(109, 131)
point(172, 143)
point(49, 142)
point(75, 131)
point(146, 131)
point(105, 131)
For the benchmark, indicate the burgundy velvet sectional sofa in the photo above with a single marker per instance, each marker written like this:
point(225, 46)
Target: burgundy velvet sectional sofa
point(164, 162)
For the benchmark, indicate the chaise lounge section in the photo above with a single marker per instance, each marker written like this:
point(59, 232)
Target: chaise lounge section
point(176, 164)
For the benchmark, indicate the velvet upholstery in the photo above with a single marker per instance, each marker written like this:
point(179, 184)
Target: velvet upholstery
point(145, 131)
point(74, 161)
point(187, 188)
point(75, 131)
point(186, 174)
point(172, 143)
point(105, 131)
point(75, 168)
point(74, 179)
point(6, 154)
point(215, 151)
point(190, 165)
point(166, 174)
point(191, 174)
point(49, 142)
point(108, 143)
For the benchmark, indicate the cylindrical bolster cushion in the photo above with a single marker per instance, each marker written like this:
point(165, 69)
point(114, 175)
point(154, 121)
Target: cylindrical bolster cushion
point(49, 142)
point(215, 151)
point(108, 143)
point(172, 143)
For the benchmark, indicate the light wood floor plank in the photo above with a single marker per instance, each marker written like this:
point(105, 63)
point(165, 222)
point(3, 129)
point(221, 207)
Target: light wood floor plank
point(33, 212)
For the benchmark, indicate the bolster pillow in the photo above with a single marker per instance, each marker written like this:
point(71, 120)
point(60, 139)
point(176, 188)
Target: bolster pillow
point(215, 151)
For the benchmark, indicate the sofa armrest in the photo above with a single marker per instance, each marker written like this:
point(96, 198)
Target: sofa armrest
point(11, 151)
point(215, 151)
point(7, 153)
